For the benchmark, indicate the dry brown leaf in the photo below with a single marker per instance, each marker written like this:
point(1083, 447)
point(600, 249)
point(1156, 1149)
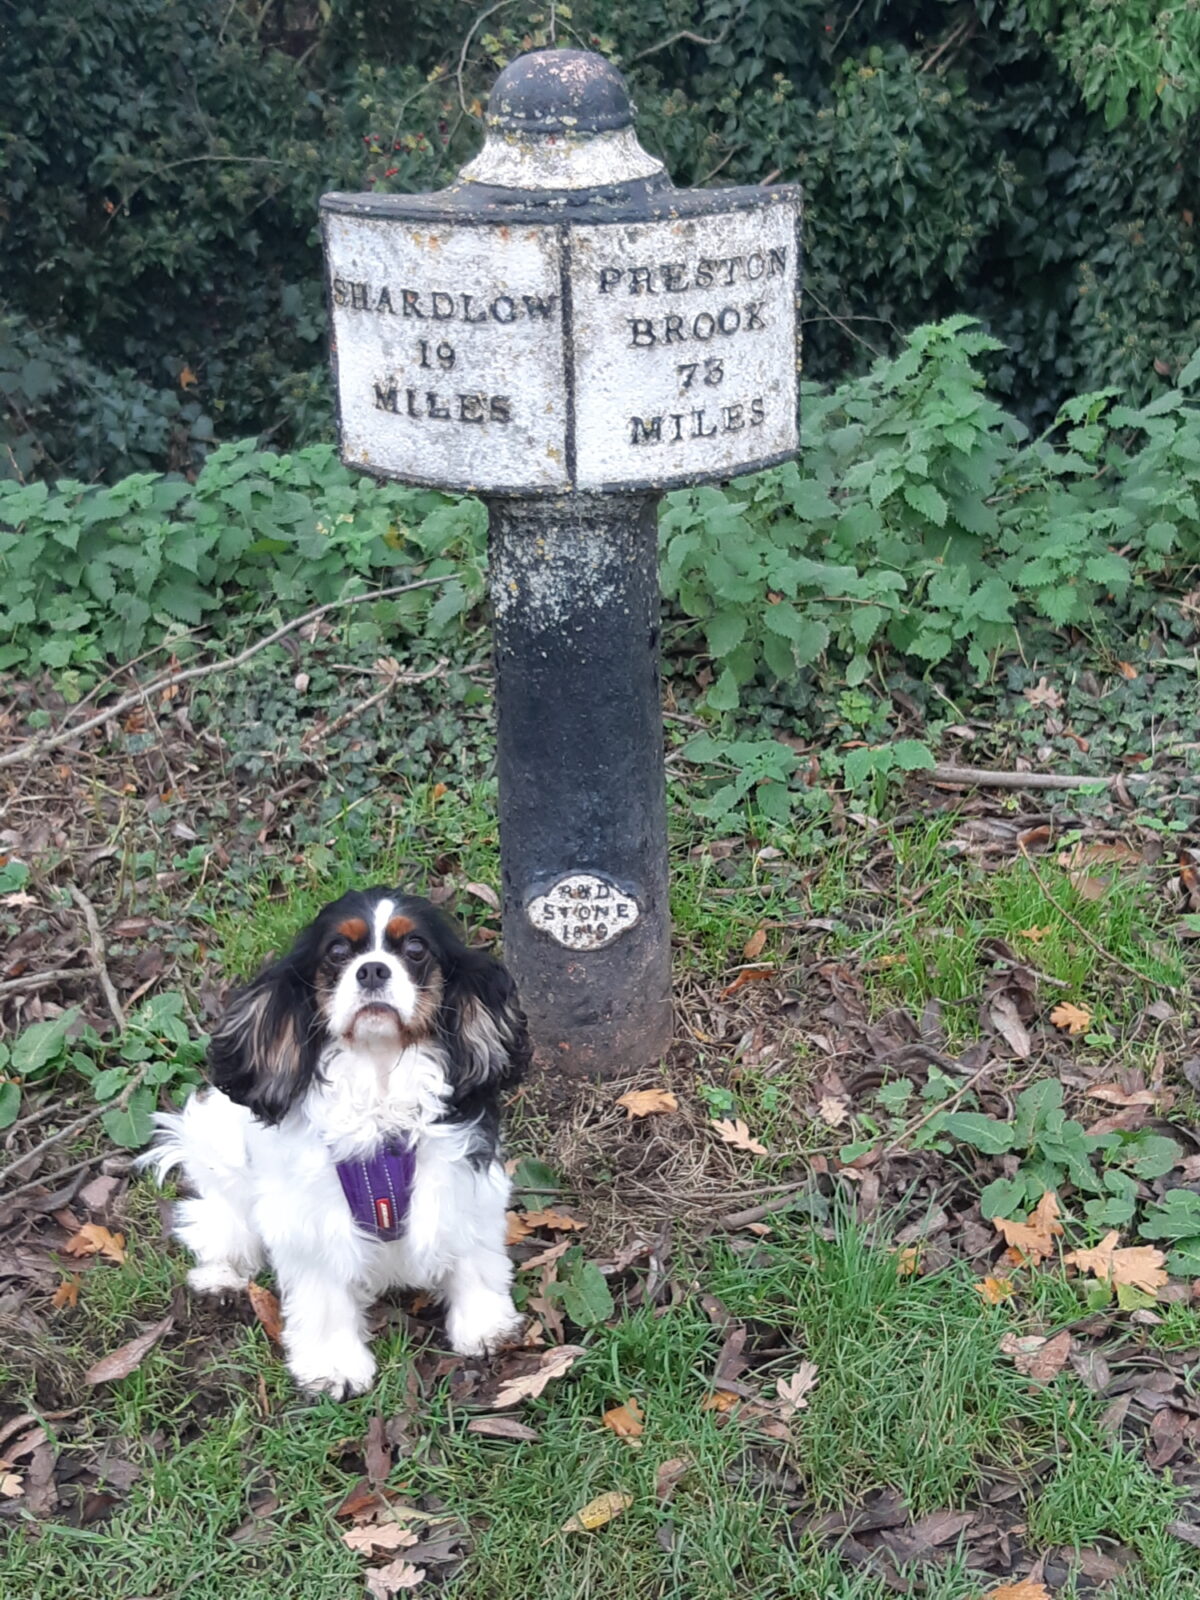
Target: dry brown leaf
point(1113, 1094)
point(597, 1512)
point(383, 1582)
point(1036, 1357)
point(557, 1220)
point(908, 1261)
point(517, 1227)
point(1033, 1239)
point(94, 1240)
point(1034, 935)
point(753, 946)
point(749, 975)
point(668, 1476)
point(503, 1428)
point(735, 1132)
point(550, 1254)
point(130, 1356)
point(11, 1485)
point(266, 1308)
point(1018, 1591)
point(1139, 1266)
point(832, 1111)
point(627, 1421)
point(719, 1400)
point(379, 1536)
point(792, 1391)
point(527, 1387)
point(187, 378)
point(1043, 694)
point(481, 891)
point(1071, 1018)
point(1127, 670)
point(1006, 1020)
point(993, 1290)
point(648, 1102)
point(66, 1296)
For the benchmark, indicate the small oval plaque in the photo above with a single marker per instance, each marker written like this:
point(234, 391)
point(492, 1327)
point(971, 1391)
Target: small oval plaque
point(583, 912)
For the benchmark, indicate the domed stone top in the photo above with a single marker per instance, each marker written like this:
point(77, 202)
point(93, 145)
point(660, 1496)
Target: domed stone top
point(560, 91)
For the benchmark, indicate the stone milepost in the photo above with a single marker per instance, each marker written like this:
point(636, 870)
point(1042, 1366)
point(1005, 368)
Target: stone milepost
point(567, 334)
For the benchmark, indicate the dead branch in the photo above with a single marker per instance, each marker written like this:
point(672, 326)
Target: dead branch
point(39, 980)
point(96, 939)
point(987, 778)
point(37, 746)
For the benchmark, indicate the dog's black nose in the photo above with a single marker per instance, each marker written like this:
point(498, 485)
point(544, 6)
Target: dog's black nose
point(373, 975)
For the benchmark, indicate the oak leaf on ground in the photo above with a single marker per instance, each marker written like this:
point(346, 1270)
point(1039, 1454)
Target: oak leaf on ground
point(1139, 1266)
point(626, 1421)
point(735, 1132)
point(1018, 1591)
point(530, 1384)
point(66, 1296)
point(266, 1308)
point(792, 1391)
point(648, 1102)
point(378, 1536)
point(753, 946)
point(1071, 1018)
point(557, 1220)
point(1034, 1238)
point(994, 1290)
point(94, 1240)
point(1037, 1357)
point(383, 1582)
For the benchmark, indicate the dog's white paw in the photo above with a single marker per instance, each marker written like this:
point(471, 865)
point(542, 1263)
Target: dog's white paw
point(343, 1368)
point(217, 1277)
point(481, 1323)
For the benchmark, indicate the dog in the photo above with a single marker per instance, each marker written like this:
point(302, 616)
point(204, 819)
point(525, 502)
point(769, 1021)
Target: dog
point(351, 1136)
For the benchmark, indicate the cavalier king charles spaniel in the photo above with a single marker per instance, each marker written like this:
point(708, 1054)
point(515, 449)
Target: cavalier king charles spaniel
point(351, 1136)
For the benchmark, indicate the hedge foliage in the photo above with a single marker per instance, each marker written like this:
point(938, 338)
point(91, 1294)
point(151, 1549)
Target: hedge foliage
point(1033, 164)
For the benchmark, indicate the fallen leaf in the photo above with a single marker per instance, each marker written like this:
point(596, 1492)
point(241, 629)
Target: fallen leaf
point(648, 1102)
point(1043, 694)
point(668, 1477)
point(1113, 1094)
point(1034, 1239)
point(792, 1391)
point(993, 1290)
point(378, 1536)
point(1039, 1358)
point(130, 1356)
point(187, 378)
point(1071, 1018)
point(11, 1485)
point(266, 1308)
point(551, 1219)
point(1018, 1591)
point(1034, 935)
point(1138, 1266)
point(518, 1229)
point(597, 1512)
point(1007, 1022)
point(908, 1261)
point(753, 946)
point(719, 1400)
point(94, 1240)
point(482, 892)
point(383, 1582)
point(1127, 670)
point(749, 975)
point(66, 1296)
point(832, 1111)
point(377, 1452)
point(735, 1132)
point(551, 1253)
point(527, 1387)
point(626, 1421)
point(503, 1428)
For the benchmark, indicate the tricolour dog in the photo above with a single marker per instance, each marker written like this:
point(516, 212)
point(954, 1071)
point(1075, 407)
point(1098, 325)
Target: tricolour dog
point(351, 1136)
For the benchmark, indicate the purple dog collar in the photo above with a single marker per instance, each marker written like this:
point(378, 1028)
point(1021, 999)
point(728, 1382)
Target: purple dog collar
point(378, 1189)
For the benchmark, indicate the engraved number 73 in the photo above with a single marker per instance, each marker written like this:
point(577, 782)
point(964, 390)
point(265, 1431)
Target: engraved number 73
point(712, 374)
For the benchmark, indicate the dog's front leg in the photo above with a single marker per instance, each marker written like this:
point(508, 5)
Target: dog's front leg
point(480, 1315)
point(324, 1332)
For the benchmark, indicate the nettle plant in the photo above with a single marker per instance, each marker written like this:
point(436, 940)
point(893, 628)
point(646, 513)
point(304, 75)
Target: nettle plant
point(94, 573)
point(1050, 1151)
point(923, 521)
point(159, 1051)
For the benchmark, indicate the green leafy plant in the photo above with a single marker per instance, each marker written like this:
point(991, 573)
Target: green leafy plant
point(581, 1291)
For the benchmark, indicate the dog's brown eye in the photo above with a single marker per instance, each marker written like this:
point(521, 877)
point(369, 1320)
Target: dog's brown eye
point(414, 947)
point(339, 950)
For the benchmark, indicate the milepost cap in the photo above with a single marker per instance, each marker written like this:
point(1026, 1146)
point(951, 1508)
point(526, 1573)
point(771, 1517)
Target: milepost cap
point(560, 91)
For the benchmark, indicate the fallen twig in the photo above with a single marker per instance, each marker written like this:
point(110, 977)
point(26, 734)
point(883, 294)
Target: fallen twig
point(951, 1100)
point(36, 746)
point(39, 980)
point(742, 1219)
point(1100, 949)
point(96, 939)
point(988, 778)
point(394, 679)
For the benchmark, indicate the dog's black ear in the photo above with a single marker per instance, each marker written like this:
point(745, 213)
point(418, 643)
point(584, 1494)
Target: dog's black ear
point(481, 1021)
point(266, 1049)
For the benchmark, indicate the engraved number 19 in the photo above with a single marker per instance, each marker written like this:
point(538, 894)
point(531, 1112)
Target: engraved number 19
point(444, 354)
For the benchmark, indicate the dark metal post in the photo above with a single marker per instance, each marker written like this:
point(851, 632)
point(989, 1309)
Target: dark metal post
point(583, 831)
point(567, 334)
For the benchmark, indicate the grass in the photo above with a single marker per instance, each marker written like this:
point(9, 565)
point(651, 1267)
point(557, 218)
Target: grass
point(912, 1394)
